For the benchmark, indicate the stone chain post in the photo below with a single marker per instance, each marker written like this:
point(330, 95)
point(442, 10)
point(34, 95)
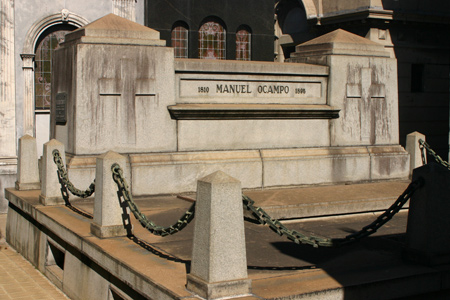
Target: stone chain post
point(108, 213)
point(27, 165)
point(219, 262)
point(50, 186)
point(412, 147)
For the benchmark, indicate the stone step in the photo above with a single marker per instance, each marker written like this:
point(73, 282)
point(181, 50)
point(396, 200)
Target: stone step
point(316, 201)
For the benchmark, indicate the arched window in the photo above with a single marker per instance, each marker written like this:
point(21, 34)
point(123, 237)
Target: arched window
point(211, 38)
point(243, 44)
point(179, 40)
point(48, 42)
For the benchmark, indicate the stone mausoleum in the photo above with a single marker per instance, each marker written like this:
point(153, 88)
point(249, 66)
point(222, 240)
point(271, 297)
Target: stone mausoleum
point(413, 32)
point(329, 115)
point(333, 119)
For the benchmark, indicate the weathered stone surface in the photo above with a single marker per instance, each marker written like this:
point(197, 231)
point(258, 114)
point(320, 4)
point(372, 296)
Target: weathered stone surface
point(50, 186)
point(8, 140)
point(428, 231)
point(125, 9)
point(108, 211)
point(339, 42)
point(219, 263)
point(112, 26)
point(388, 162)
point(162, 173)
point(362, 84)
point(27, 167)
point(107, 110)
point(251, 134)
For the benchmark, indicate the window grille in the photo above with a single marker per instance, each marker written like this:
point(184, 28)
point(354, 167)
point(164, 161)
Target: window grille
point(243, 43)
point(212, 41)
point(180, 41)
point(43, 68)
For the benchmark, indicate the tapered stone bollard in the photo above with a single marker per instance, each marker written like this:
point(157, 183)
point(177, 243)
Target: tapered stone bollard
point(50, 186)
point(27, 165)
point(428, 229)
point(219, 263)
point(108, 213)
point(412, 147)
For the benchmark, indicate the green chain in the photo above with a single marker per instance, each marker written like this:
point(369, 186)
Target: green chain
point(317, 241)
point(424, 145)
point(65, 178)
point(276, 226)
point(146, 223)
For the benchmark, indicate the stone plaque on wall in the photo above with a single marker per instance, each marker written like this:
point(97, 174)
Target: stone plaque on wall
point(61, 109)
point(257, 89)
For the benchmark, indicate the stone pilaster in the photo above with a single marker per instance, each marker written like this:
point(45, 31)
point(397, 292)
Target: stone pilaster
point(7, 80)
point(125, 9)
point(8, 158)
point(28, 93)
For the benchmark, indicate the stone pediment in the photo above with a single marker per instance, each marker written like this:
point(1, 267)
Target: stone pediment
point(340, 42)
point(116, 30)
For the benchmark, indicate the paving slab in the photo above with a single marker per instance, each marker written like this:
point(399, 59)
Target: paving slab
point(19, 279)
point(313, 201)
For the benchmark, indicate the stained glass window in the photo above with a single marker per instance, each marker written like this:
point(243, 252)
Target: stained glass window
point(43, 70)
point(212, 41)
point(180, 41)
point(243, 42)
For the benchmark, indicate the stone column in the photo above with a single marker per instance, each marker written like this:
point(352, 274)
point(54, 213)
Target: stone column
point(7, 80)
point(412, 147)
point(8, 158)
point(125, 9)
point(428, 230)
point(27, 167)
point(219, 263)
point(108, 213)
point(50, 186)
point(28, 93)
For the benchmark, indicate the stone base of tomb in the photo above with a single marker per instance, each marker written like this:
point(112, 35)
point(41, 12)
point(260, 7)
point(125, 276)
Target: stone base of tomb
point(177, 172)
point(58, 242)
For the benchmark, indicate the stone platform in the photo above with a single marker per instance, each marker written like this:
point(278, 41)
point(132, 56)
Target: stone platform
point(59, 243)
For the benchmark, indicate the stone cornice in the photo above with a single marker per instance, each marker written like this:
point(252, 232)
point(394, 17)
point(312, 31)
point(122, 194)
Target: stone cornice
point(27, 60)
point(378, 14)
point(251, 111)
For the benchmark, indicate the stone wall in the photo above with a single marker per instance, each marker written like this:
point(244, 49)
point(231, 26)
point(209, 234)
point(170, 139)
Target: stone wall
point(8, 158)
point(19, 34)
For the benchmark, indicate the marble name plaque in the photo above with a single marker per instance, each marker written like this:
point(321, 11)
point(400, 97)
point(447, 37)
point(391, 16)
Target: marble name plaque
point(296, 91)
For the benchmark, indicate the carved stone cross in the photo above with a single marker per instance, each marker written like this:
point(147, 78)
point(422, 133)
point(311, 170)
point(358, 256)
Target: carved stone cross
point(124, 93)
point(367, 91)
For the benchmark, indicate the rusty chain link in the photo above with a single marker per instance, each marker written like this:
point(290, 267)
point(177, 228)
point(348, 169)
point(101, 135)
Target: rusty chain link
point(424, 146)
point(65, 178)
point(146, 223)
point(276, 226)
point(383, 218)
point(316, 241)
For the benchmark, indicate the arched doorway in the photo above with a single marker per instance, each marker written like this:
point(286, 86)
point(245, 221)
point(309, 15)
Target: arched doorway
point(43, 38)
point(47, 44)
